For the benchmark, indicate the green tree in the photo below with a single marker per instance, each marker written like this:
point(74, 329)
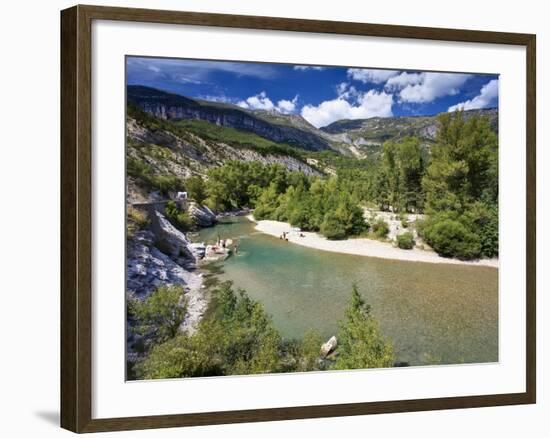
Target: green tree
point(309, 351)
point(464, 164)
point(360, 343)
point(196, 188)
point(160, 315)
point(399, 175)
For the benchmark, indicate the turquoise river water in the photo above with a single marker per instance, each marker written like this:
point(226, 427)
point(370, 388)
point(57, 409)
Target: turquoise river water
point(433, 313)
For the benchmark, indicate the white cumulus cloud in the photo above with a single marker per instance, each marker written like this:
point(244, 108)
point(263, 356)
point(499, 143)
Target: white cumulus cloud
point(263, 102)
point(426, 87)
point(370, 76)
point(369, 104)
point(259, 101)
point(402, 80)
point(487, 95)
point(287, 106)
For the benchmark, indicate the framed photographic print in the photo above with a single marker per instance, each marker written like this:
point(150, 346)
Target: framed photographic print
point(268, 218)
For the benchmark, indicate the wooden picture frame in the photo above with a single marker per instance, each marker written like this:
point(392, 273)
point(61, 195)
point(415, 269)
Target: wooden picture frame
point(76, 218)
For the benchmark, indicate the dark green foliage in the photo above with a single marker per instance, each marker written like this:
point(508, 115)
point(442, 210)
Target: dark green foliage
point(399, 176)
point(380, 228)
point(461, 185)
point(332, 228)
point(159, 316)
point(464, 164)
point(405, 241)
point(237, 337)
point(196, 188)
point(310, 203)
point(237, 184)
point(451, 238)
point(360, 343)
point(483, 220)
point(308, 354)
point(178, 217)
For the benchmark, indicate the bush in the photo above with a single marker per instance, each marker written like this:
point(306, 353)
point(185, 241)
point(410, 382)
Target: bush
point(380, 228)
point(484, 220)
point(405, 241)
point(135, 220)
point(404, 221)
point(160, 315)
point(196, 188)
point(332, 228)
point(178, 217)
point(450, 238)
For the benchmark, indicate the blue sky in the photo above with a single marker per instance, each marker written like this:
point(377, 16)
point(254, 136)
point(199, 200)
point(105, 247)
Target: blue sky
point(321, 95)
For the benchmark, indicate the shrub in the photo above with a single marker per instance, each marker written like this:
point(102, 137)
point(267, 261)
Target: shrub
point(178, 217)
point(380, 228)
point(484, 220)
point(196, 188)
point(135, 220)
point(405, 241)
point(332, 228)
point(160, 314)
point(404, 221)
point(450, 238)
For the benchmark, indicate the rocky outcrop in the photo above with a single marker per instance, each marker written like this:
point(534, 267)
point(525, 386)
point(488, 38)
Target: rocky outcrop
point(328, 347)
point(201, 215)
point(147, 267)
point(168, 238)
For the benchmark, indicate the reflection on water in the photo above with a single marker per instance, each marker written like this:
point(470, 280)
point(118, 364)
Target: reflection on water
point(433, 313)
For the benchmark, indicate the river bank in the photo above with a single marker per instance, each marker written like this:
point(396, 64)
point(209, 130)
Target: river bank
point(360, 246)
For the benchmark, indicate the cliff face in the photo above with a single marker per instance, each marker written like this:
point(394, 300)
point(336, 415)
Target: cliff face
point(166, 153)
point(169, 106)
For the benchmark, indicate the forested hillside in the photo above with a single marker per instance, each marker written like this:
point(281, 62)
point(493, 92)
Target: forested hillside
point(452, 178)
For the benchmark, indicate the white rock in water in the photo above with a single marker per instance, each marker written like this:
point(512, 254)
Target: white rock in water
point(328, 346)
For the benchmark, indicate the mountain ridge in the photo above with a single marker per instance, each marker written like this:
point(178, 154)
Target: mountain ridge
point(351, 137)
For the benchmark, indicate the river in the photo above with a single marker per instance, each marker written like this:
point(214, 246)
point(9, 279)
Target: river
point(433, 313)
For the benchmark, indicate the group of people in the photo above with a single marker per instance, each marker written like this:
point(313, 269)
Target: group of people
point(284, 236)
point(225, 243)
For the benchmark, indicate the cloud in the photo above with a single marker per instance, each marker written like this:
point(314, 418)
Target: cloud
point(263, 102)
point(370, 76)
point(347, 91)
point(308, 67)
point(259, 101)
point(487, 95)
point(402, 80)
point(287, 106)
point(426, 87)
point(370, 104)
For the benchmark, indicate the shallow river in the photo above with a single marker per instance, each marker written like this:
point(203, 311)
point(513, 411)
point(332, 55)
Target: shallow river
point(433, 313)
